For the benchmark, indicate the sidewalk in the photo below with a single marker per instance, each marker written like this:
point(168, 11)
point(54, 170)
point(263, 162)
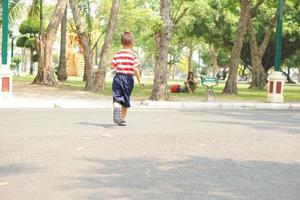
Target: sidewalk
point(37, 96)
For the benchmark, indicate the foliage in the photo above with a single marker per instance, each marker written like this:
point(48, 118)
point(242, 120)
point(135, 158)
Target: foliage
point(30, 26)
point(15, 61)
point(21, 41)
point(31, 43)
point(14, 10)
point(293, 61)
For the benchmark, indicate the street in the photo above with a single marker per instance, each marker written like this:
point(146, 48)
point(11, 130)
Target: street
point(78, 154)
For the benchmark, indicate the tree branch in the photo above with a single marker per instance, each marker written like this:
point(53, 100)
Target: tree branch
point(257, 5)
point(180, 16)
point(98, 39)
point(267, 37)
point(177, 11)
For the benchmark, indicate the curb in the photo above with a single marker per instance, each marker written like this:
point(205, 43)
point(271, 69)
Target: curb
point(219, 105)
point(100, 104)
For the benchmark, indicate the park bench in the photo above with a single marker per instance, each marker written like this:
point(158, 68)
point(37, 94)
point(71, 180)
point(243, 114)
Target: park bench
point(209, 83)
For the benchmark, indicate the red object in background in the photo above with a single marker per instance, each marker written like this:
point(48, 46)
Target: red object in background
point(5, 84)
point(175, 88)
point(278, 88)
point(271, 87)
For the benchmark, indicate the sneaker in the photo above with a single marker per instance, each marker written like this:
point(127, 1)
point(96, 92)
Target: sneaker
point(121, 123)
point(117, 115)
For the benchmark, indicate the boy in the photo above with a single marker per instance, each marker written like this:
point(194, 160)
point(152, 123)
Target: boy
point(125, 63)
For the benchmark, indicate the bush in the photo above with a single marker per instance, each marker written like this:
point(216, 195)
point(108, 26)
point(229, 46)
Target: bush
point(15, 62)
point(30, 43)
point(30, 26)
point(21, 41)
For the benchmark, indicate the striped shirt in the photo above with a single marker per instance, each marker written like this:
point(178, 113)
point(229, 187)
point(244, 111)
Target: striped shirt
point(125, 61)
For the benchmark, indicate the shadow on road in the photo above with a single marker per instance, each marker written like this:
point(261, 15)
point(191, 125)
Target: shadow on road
point(191, 178)
point(16, 169)
point(266, 120)
point(108, 126)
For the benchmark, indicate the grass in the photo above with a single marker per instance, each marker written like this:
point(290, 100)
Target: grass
point(291, 92)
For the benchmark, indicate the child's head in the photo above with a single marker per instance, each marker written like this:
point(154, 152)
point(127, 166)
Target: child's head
point(190, 75)
point(127, 40)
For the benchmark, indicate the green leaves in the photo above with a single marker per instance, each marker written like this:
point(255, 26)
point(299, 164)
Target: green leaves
point(21, 41)
point(30, 26)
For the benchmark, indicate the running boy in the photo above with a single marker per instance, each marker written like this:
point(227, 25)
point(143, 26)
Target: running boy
point(125, 63)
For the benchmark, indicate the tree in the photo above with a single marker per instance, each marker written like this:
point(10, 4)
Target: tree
point(84, 41)
point(231, 83)
point(14, 10)
point(29, 29)
point(62, 67)
point(162, 41)
point(163, 36)
point(292, 62)
point(259, 78)
point(45, 42)
point(99, 81)
point(290, 37)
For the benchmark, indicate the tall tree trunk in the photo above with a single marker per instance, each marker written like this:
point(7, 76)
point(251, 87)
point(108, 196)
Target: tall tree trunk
point(214, 59)
point(45, 42)
point(62, 67)
point(258, 73)
point(87, 51)
point(96, 54)
point(231, 83)
point(99, 82)
point(259, 77)
point(24, 60)
point(31, 62)
point(190, 57)
point(41, 17)
point(162, 42)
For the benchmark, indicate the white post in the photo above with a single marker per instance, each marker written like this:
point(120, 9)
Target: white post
point(275, 87)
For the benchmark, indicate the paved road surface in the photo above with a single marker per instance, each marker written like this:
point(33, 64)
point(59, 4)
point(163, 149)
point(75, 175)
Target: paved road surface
point(61, 154)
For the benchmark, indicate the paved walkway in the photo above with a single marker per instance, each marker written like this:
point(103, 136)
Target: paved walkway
point(79, 154)
point(38, 96)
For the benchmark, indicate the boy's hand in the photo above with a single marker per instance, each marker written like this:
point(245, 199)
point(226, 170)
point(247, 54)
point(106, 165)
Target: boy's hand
point(142, 84)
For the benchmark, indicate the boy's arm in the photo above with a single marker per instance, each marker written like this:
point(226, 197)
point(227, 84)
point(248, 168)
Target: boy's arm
point(113, 64)
point(138, 76)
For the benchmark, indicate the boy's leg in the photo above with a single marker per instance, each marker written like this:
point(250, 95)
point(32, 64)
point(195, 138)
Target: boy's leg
point(116, 112)
point(124, 112)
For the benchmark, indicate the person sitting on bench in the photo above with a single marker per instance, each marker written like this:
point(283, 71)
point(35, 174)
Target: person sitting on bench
point(190, 83)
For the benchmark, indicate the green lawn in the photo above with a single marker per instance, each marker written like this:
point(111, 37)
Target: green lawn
point(291, 92)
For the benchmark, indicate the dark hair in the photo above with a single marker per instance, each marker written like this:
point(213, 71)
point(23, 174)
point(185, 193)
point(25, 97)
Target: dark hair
point(127, 38)
point(190, 74)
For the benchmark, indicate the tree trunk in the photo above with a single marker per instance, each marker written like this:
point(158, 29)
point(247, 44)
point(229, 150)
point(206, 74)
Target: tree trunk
point(45, 42)
point(190, 58)
point(231, 83)
point(288, 76)
point(162, 42)
point(62, 67)
point(214, 59)
point(258, 74)
point(31, 62)
point(259, 77)
point(99, 82)
point(299, 75)
point(87, 51)
point(24, 60)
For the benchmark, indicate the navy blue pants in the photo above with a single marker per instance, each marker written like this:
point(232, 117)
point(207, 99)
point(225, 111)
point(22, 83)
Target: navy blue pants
point(121, 89)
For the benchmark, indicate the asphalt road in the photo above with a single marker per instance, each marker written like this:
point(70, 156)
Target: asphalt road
point(61, 154)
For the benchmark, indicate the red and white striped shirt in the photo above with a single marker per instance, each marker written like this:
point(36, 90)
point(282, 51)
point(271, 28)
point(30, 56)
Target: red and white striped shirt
point(125, 61)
